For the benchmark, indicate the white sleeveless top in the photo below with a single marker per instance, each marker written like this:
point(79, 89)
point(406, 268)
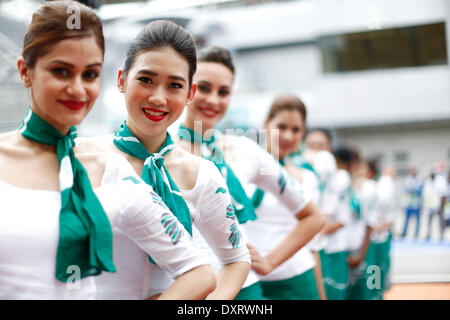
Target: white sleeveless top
point(274, 223)
point(29, 234)
point(254, 165)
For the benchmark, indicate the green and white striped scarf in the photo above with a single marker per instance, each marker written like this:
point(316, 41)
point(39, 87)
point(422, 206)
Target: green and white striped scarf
point(85, 235)
point(155, 173)
point(243, 206)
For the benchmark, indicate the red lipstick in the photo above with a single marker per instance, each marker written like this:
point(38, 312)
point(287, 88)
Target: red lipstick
point(73, 104)
point(154, 114)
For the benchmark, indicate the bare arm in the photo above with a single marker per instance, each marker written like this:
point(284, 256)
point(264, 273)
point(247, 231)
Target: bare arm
point(353, 262)
point(310, 221)
point(230, 280)
point(332, 227)
point(195, 284)
point(318, 276)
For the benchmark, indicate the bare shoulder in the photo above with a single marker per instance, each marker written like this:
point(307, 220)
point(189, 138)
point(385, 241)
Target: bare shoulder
point(13, 144)
point(183, 159)
point(183, 167)
point(295, 172)
point(95, 144)
point(9, 139)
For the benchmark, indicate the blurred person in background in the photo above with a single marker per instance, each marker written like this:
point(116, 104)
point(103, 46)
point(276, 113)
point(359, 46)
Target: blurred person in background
point(445, 205)
point(363, 200)
point(318, 139)
point(242, 161)
point(413, 196)
point(434, 191)
point(337, 203)
point(300, 277)
point(381, 236)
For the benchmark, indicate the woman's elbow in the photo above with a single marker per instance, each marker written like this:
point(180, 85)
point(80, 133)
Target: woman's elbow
point(317, 218)
point(206, 277)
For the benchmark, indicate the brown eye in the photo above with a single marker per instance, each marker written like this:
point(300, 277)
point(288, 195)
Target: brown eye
point(203, 88)
point(90, 75)
point(176, 85)
point(146, 80)
point(224, 93)
point(61, 72)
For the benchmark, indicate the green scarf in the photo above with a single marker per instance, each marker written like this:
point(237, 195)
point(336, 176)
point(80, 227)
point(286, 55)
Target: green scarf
point(354, 203)
point(156, 174)
point(242, 204)
point(85, 235)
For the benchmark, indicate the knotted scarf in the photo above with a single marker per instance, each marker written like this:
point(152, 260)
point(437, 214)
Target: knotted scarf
point(85, 235)
point(243, 207)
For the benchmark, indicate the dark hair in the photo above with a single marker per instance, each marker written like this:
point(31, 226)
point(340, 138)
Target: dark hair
point(286, 102)
point(49, 26)
point(372, 164)
point(344, 155)
point(160, 34)
point(218, 55)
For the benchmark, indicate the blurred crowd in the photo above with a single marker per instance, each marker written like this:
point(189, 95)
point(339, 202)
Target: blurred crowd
point(427, 198)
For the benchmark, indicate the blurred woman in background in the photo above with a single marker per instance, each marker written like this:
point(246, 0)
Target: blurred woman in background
point(300, 277)
point(241, 161)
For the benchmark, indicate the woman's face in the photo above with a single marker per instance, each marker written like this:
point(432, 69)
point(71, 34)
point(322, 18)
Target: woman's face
point(65, 82)
point(318, 141)
point(214, 84)
point(156, 91)
point(287, 128)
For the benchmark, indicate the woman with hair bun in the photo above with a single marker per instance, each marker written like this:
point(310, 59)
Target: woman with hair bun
point(60, 201)
point(156, 81)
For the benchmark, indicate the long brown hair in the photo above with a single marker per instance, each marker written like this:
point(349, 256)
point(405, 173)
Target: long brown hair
point(49, 26)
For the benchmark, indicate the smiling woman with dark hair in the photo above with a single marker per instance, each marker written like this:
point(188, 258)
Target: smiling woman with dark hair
point(60, 202)
point(157, 84)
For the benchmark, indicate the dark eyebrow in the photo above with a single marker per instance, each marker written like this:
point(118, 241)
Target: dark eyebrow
point(152, 73)
point(209, 84)
point(205, 82)
point(71, 65)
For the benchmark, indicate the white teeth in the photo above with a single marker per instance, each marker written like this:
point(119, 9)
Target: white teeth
point(154, 113)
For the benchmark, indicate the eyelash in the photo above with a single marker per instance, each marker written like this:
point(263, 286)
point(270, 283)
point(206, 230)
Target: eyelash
point(205, 89)
point(145, 80)
point(173, 85)
point(65, 73)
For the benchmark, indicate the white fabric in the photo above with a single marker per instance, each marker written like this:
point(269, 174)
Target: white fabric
point(253, 165)
point(29, 233)
point(385, 207)
point(433, 191)
point(210, 225)
point(311, 182)
point(356, 229)
point(336, 203)
point(274, 223)
point(447, 204)
point(325, 166)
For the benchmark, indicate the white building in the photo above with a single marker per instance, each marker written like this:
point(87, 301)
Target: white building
point(376, 72)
